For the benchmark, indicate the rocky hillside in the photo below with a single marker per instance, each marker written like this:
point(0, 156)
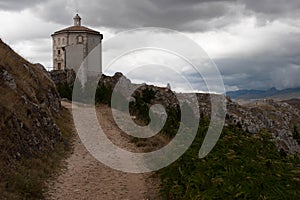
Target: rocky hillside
point(281, 119)
point(62, 78)
point(271, 93)
point(244, 164)
point(29, 102)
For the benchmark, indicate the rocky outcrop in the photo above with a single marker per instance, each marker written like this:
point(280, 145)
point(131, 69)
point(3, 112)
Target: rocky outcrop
point(63, 77)
point(278, 118)
point(28, 103)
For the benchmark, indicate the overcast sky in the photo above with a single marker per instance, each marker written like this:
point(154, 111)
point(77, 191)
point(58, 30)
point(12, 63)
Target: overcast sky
point(255, 43)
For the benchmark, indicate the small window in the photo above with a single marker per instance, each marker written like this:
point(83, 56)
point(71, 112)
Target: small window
point(59, 66)
point(80, 39)
point(58, 41)
point(58, 52)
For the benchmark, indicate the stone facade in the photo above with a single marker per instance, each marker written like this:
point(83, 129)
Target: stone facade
point(73, 44)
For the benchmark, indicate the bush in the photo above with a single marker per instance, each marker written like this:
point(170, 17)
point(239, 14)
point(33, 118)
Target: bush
point(296, 134)
point(140, 109)
point(148, 95)
point(241, 166)
point(172, 123)
point(103, 95)
point(65, 91)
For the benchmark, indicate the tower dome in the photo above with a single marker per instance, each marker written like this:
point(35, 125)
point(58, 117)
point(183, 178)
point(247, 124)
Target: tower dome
point(77, 20)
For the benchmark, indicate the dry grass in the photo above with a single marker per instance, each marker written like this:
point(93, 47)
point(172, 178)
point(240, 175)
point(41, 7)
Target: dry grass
point(22, 176)
point(25, 178)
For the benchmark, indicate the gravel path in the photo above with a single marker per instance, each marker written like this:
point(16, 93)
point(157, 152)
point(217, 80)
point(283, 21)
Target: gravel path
point(87, 178)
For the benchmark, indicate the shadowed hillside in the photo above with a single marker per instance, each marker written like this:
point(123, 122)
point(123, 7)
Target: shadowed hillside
point(29, 106)
point(263, 94)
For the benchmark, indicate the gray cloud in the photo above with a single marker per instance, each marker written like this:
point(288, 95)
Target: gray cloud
point(273, 61)
point(60, 12)
point(17, 4)
point(276, 66)
point(188, 15)
point(273, 8)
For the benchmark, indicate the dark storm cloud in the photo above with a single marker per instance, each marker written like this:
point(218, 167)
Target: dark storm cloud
point(57, 11)
point(269, 62)
point(17, 4)
point(179, 15)
point(278, 66)
point(273, 8)
point(188, 15)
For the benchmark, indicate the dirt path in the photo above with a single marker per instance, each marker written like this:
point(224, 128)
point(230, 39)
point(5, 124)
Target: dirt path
point(87, 178)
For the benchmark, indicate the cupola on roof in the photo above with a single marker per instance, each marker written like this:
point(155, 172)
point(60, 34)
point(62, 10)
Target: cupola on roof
point(77, 28)
point(77, 20)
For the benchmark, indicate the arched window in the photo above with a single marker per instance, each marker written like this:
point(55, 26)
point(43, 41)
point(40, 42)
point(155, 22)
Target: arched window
point(79, 39)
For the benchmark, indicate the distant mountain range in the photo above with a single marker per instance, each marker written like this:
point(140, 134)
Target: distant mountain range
point(290, 93)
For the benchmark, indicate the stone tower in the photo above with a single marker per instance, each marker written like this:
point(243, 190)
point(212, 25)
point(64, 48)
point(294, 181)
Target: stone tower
point(73, 44)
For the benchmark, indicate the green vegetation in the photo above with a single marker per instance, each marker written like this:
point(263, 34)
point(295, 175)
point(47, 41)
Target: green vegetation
point(241, 166)
point(140, 109)
point(65, 91)
point(24, 178)
point(148, 95)
point(103, 95)
point(296, 134)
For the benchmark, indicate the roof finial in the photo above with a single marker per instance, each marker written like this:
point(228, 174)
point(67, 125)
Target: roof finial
point(77, 20)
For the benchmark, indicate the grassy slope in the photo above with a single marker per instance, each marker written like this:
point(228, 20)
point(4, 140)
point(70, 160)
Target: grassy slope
point(241, 166)
point(25, 178)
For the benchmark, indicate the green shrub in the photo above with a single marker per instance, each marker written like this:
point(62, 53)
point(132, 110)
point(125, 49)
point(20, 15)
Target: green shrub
point(241, 166)
point(140, 109)
point(103, 95)
point(172, 123)
point(65, 91)
point(148, 95)
point(296, 134)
